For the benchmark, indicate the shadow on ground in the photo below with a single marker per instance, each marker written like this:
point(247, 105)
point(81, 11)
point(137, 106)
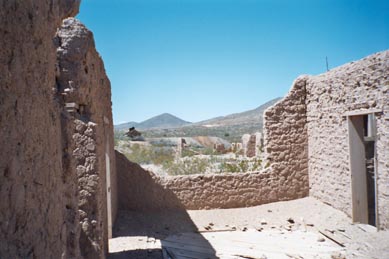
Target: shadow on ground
point(137, 254)
point(147, 213)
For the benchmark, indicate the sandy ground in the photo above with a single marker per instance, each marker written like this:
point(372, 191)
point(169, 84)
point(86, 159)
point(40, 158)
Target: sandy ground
point(138, 234)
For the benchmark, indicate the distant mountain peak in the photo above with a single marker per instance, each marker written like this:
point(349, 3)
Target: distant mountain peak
point(168, 121)
point(161, 121)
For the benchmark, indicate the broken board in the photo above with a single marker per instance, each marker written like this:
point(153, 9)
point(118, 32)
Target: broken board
point(248, 245)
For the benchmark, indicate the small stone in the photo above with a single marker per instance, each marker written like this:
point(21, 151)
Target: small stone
point(321, 239)
point(290, 220)
point(90, 146)
point(263, 222)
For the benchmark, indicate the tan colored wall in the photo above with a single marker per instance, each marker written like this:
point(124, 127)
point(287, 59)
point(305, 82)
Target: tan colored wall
point(286, 145)
point(52, 168)
point(33, 212)
point(286, 140)
point(141, 190)
point(358, 85)
point(82, 80)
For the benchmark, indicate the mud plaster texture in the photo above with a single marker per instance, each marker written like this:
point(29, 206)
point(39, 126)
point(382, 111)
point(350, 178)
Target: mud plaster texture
point(306, 145)
point(142, 190)
point(286, 140)
point(42, 181)
point(81, 79)
point(360, 85)
point(32, 204)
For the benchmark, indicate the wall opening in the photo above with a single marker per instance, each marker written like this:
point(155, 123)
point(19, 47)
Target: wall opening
point(362, 139)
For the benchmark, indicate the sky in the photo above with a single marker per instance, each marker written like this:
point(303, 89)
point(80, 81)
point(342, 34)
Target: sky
point(199, 59)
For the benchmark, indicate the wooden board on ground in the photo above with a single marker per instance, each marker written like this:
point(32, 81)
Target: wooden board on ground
point(249, 244)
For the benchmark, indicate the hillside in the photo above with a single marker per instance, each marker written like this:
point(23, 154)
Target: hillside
point(247, 117)
point(230, 127)
point(126, 125)
point(162, 121)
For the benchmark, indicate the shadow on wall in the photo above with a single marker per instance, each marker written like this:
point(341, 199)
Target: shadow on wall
point(155, 215)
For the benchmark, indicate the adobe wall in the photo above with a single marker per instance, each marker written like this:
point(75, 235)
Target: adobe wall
point(32, 205)
point(286, 140)
point(52, 168)
point(359, 85)
point(141, 190)
point(81, 80)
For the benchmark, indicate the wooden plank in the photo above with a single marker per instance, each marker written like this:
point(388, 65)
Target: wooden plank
point(331, 237)
point(252, 243)
point(165, 254)
point(256, 240)
point(191, 254)
point(358, 169)
point(189, 247)
point(362, 112)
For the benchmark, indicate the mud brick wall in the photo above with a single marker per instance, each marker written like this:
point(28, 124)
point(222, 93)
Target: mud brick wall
point(142, 190)
point(33, 212)
point(286, 140)
point(359, 85)
point(81, 80)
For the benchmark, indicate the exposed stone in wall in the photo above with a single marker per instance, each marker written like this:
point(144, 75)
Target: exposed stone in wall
point(286, 139)
point(355, 86)
point(32, 204)
point(82, 81)
point(141, 190)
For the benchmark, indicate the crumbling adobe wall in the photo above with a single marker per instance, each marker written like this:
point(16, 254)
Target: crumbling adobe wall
point(142, 190)
point(81, 80)
point(286, 178)
point(33, 204)
point(358, 85)
point(286, 141)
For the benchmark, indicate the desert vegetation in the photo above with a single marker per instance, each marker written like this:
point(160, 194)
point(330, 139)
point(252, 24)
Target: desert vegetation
point(165, 158)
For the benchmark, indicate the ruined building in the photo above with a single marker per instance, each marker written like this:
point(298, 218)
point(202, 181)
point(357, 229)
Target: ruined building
point(329, 126)
point(328, 138)
point(56, 135)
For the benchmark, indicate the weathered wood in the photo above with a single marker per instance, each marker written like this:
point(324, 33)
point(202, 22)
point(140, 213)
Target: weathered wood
point(331, 237)
point(249, 244)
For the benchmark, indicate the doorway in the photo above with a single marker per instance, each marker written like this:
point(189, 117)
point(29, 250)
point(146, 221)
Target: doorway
point(362, 140)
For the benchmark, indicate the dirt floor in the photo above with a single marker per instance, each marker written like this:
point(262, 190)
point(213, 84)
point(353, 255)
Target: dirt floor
point(138, 234)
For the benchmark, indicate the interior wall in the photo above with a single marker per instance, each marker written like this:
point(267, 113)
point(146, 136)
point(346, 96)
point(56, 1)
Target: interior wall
point(32, 189)
point(82, 81)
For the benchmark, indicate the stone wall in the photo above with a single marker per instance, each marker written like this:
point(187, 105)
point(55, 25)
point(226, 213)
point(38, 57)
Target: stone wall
point(286, 140)
point(141, 190)
point(360, 85)
point(82, 82)
point(32, 205)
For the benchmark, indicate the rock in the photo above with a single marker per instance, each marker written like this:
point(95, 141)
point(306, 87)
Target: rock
point(321, 239)
point(290, 220)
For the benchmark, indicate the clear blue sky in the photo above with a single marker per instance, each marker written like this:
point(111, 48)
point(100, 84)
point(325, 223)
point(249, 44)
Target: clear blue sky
point(199, 59)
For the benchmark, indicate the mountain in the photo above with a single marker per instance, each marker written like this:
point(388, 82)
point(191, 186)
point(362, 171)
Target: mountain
point(247, 117)
point(162, 121)
point(230, 127)
point(126, 125)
